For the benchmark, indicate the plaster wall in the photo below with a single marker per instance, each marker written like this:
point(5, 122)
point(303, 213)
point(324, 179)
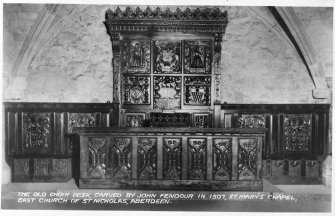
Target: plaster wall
point(74, 64)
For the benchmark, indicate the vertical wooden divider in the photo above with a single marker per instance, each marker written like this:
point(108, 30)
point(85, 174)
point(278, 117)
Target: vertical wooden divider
point(184, 158)
point(84, 156)
point(234, 158)
point(134, 157)
point(159, 157)
point(209, 158)
point(108, 163)
point(259, 157)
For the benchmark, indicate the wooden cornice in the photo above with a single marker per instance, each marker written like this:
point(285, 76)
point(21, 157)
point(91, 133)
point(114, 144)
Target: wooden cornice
point(207, 20)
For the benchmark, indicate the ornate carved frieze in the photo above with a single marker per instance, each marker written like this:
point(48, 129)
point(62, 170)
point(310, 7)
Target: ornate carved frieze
point(147, 158)
point(197, 59)
point(134, 119)
point(202, 120)
point(97, 154)
point(136, 90)
point(197, 154)
point(247, 155)
point(197, 90)
point(222, 159)
point(36, 132)
point(167, 92)
point(210, 20)
point(170, 119)
point(297, 132)
point(41, 167)
point(81, 120)
point(172, 158)
point(121, 157)
point(251, 121)
point(167, 57)
point(136, 56)
point(21, 168)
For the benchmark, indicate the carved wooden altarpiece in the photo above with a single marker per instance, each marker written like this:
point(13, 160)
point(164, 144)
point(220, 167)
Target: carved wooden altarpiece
point(166, 60)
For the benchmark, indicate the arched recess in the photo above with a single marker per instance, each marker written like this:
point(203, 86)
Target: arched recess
point(40, 33)
point(315, 68)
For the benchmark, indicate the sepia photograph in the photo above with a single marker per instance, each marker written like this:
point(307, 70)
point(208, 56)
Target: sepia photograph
point(189, 107)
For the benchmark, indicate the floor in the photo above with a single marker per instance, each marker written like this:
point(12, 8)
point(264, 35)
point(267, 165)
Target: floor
point(276, 198)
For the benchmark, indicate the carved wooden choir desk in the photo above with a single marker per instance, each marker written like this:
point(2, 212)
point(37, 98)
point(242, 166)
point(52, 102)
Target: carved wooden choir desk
point(171, 158)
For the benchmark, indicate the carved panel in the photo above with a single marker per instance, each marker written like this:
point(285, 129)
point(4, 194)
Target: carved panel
point(81, 120)
point(197, 90)
point(312, 168)
point(172, 158)
point(116, 78)
point(167, 92)
point(222, 159)
point(251, 121)
point(36, 132)
point(59, 167)
point(167, 57)
point(277, 167)
point(41, 167)
point(21, 168)
point(134, 119)
point(121, 157)
point(97, 154)
point(136, 90)
point(202, 120)
point(294, 168)
point(198, 56)
point(170, 119)
point(147, 158)
point(247, 155)
point(297, 132)
point(197, 154)
point(136, 56)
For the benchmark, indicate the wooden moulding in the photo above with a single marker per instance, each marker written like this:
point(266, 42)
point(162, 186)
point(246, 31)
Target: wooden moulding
point(256, 185)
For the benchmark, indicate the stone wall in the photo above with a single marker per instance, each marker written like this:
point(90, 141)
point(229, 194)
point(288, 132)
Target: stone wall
point(74, 64)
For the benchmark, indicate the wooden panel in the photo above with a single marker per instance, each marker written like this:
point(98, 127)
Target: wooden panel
point(172, 157)
point(167, 92)
point(41, 168)
point(36, 132)
point(97, 157)
point(294, 168)
point(21, 169)
point(134, 119)
point(277, 167)
point(136, 56)
point(247, 159)
point(170, 119)
point(147, 158)
point(81, 120)
point(61, 168)
point(136, 90)
point(197, 90)
point(197, 157)
point(120, 158)
point(312, 168)
point(198, 57)
point(167, 57)
point(222, 159)
point(297, 132)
